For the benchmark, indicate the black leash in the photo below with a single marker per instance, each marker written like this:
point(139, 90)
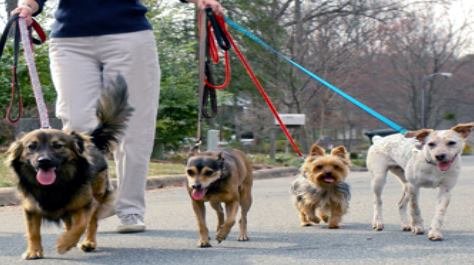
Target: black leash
point(209, 93)
point(15, 95)
point(13, 27)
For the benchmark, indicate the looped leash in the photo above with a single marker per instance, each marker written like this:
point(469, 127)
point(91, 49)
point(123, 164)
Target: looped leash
point(21, 31)
point(15, 89)
point(220, 28)
point(214, 39)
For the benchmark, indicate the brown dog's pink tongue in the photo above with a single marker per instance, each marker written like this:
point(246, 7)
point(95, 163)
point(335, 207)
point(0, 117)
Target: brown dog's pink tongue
point(328, 179)
point(444, 166)
point(198, 194)
point(46, 177)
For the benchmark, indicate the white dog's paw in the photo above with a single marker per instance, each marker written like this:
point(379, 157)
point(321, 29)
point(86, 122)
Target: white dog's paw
point(377, 225)
point(435, 235)
point(417, 229)
point(406, 228)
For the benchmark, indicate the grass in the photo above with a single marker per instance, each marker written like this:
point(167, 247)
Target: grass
point(155, 168)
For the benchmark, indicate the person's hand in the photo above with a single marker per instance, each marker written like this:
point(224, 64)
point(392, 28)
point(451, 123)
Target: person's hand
point(213, 4)
point(24, 11)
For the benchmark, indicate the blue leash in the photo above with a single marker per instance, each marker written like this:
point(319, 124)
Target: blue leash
point(343, 94)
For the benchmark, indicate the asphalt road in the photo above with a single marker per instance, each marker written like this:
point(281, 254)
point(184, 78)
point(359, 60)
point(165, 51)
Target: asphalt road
point(276, 237)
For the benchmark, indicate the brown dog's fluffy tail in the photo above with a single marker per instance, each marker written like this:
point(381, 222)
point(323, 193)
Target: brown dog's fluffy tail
point(113, 112)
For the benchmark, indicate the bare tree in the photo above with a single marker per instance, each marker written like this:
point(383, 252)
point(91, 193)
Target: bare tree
point(423, 52)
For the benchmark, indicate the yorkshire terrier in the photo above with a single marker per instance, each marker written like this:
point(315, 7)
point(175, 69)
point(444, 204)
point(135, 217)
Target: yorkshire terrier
point(320, 191)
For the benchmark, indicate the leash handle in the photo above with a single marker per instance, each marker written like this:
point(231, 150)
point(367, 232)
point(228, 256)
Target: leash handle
point(35, 83)
point(221, 38)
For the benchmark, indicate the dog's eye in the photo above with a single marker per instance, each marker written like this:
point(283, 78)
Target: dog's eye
point(32, 146)
point(208, 173)
point(336, 167)
point(451, 143)
point(57, 145)
point(431, 144)
point(190, 172)
point(319, 167)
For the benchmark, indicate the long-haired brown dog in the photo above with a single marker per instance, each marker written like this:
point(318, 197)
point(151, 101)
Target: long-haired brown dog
point(220, 177)
point(320, 192)
point(62, 175)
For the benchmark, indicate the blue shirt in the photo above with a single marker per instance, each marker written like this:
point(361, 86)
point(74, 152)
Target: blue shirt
point(79, 18)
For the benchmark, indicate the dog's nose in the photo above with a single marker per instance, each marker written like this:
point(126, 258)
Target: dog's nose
point(328, 174)
point(196, 186)
point(44, 162)
point(441, 157)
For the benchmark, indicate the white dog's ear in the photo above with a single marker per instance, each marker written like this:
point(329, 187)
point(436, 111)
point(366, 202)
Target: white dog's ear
point(316, 150)
point(464, 129)
point(420, 135)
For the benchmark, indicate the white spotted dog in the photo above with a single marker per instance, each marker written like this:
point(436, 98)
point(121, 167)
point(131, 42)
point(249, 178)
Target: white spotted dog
point(424, 158)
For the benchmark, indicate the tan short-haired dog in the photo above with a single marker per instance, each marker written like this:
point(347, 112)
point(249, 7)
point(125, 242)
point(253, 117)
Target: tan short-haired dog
point(320, 192)
point(220, 177)
point(425, 158)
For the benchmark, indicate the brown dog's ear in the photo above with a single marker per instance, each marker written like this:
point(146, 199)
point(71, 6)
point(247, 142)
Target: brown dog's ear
point(78, 143)
point(316, 150)
point(193, 151)
point(420, 135)
point(340, 151)
point(464, 129)
point(14, 151)
point(220, 158)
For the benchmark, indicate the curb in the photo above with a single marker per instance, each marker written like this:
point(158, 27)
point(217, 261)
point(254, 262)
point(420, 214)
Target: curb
point(8, 196)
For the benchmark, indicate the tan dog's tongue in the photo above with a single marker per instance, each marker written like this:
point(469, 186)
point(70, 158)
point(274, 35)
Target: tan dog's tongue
point(444, 166)
point(46, 177)
point(198, 194)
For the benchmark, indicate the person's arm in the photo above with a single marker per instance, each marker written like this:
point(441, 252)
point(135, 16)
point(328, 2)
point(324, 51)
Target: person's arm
point(202, 4)
point(28, 8)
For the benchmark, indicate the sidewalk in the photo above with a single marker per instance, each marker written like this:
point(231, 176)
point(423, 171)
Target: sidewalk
point(8, 196)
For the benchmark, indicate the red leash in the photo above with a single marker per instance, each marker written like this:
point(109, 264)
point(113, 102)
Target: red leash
point(220, 20)
point(214, 54)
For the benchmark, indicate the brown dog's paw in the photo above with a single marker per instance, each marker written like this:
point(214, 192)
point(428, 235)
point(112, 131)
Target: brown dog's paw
point(204, 244)
point(333, 226)
point(88, 246)
point(63, 245)
point(243, 238)
point(315, 220)
point(221, 235)
point(325, 218)
point(32, 254)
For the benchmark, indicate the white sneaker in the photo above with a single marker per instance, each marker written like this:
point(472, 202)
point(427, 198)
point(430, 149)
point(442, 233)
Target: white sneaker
point(132, 223)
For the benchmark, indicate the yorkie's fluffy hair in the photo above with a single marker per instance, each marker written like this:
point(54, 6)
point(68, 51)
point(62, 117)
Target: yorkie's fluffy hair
point(320, 191)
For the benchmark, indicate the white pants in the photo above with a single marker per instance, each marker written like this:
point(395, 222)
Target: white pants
point(79, 68)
